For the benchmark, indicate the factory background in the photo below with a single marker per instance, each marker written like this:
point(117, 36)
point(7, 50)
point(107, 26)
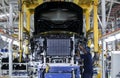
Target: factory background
point(43, 38)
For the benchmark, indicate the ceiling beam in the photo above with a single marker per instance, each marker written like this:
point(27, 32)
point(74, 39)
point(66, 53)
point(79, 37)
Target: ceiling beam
point(113, 1)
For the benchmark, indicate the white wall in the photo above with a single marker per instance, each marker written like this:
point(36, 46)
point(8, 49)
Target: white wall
point(115, 63)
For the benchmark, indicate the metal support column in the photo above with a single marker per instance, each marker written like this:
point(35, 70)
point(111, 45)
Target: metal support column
point(10, 59)
point(109, 11)
point(103, 61)
point(10, 18)
point(103, 32)
point(113, 45)
point(20, 30)
point(95, 26)
point(28, 20)
point(87, 15)
point(103, 16)
point(73, 51)
point(28, 29)
point(44, 57)
point(10, 42)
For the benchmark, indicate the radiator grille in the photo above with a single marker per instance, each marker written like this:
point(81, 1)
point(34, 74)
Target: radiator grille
point(59, 47)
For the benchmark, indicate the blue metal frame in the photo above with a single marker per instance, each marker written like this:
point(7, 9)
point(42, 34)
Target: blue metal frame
point(59, 72)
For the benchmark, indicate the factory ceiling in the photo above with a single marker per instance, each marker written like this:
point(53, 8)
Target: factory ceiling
point(112, 7)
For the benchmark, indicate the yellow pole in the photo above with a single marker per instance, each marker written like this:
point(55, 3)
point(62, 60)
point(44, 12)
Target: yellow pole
point(40, 1)
point(76, 1)
point(20, 35)
point(27, 47)
point(28, 29)
point(95, 28)
point(28, 21)
point(20, 31)
point(87, 15)
point(89, 43)
point(96, 31)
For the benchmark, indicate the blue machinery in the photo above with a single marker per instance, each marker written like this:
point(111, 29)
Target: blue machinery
point(60, 72)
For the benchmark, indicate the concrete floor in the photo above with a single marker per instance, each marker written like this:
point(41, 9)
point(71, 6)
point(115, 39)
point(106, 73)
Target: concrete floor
point(4, 77)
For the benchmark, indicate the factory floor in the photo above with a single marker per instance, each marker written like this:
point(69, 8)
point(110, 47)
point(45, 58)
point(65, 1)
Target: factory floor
point(12, 77)
point(4, 77)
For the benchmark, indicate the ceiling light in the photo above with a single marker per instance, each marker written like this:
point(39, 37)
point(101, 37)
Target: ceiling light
point(117, 36)
point(111, 38)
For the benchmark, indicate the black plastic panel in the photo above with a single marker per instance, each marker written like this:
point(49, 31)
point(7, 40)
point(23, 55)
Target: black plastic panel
point(58, 16)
